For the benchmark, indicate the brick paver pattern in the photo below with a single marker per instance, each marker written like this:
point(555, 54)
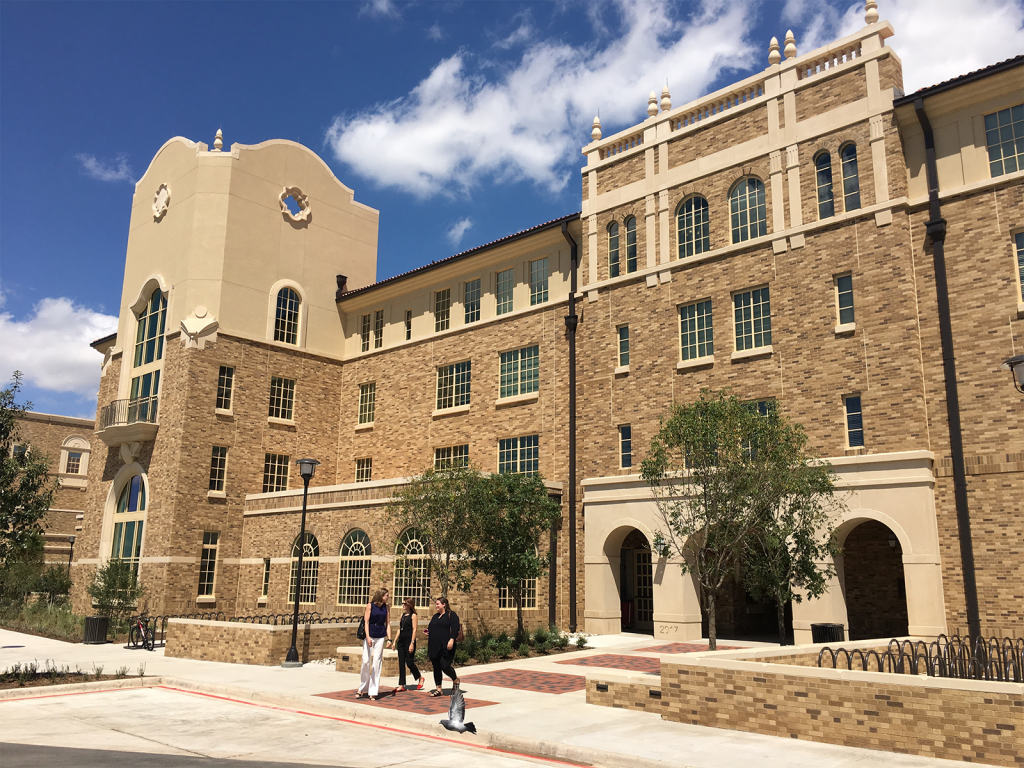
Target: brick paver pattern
point(616, 661)
point(685, 648)
point(420, 702)
point(527, 680)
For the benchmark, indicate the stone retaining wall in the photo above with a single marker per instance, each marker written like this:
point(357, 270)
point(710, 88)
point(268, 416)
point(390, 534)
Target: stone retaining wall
point(253, 643)
point(350, 659)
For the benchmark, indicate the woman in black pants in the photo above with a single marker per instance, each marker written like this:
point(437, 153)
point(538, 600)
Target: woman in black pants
point(442, 633)
point(406, 645)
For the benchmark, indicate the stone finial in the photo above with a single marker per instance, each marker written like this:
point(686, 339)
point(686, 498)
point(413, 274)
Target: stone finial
point(666, 99)
point(595, 132)
point(652, 105)
point(790, 49)
point(774, 57)
point(218, 141)
point(870, 12)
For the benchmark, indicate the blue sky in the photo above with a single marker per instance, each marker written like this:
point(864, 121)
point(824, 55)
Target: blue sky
point(461, 122)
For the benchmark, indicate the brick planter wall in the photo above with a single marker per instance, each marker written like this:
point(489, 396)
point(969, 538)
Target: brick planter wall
point(350, 659)
point(253, 643)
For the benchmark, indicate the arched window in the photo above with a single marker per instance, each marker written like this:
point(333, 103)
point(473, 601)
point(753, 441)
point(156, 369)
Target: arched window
point(149, 334)
point(631, 244)
point(129, 519)
point(823, 182)
point(613, 249)
point(354, 569)
point(412, 569)
point(851, 181)
point(694, 233)
point(286, 322)
point(747, 210)
point(310, 569)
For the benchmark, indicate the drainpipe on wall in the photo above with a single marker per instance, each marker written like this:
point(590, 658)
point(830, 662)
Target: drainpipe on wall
point(571, 321)
point(936, 230)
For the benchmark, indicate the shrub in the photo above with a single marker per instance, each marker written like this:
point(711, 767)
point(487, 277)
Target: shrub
point(562, 641)
point(470, 644)
point(483, 655)
point(504, 650)
point(55, 583)
point(543, 647)
point(421, 656)
point(503, 637)
point(524, 650)
point(56, 621)
point(540, 635)
point(581, 642)
point(116, 591)
point(461, 656)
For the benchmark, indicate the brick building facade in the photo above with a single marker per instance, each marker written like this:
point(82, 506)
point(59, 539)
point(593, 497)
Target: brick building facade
point(775, 237)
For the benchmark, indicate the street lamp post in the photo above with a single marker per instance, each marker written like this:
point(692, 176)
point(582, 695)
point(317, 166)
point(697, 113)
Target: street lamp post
point(307, 467)
point(71, 554)
point(1015, 365)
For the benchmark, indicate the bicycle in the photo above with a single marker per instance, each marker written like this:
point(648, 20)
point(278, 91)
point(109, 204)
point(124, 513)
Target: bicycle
point(140, 634)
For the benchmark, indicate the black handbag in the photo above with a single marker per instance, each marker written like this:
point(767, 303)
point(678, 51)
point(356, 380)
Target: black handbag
point(361, 629)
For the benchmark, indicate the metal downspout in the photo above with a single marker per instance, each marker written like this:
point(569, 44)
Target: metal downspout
point(936, 230)
point(571, 321)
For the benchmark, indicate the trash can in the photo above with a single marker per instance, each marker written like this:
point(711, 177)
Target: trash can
point(95, 630)
point(827, 633)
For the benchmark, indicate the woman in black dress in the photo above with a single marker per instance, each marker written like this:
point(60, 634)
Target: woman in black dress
point(406, 645)
point(442, 633)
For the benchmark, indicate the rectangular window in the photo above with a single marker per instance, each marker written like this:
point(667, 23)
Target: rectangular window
point(378, 329)
point(364, 470)
point(266, 577)
point(753, 319)
point(225, 383)
point(507, 601)
point(442, 310)
point(208, 563)
point(471, 300)
point(367, 402)
point(520, 371)
point(844, 298)
point(506, 282)
point(453, 383)
point(854, 422)
point(623, 334)
point(1004, 134)
point(625, 446)
point(408, 324)
point(218, 467)
point(275, 472)
point(452, 456)
point(364, 334)
point(282, 397)
point(538, 281)
point(696, 332)
point(1018, 241)
point(74, 463)
point(519, 455)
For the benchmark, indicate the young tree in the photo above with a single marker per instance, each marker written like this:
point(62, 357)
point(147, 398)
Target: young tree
point(441, 504)
point(707, 480)
point(515, 513)
point(116, 591)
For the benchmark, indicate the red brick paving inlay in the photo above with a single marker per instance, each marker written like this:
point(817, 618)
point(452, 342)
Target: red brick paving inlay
point(527, 680)
point(420, 702)
point(615, 661)
point(686, 648)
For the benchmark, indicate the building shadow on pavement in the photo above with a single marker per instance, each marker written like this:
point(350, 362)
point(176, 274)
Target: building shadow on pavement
point(32, 756)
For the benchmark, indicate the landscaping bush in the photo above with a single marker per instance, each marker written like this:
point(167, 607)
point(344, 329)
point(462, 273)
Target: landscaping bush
point(484, 655)
point(524, 650)
point(461, 657)
point(540, 635)
point(55, 583)
point(581, 642)
point(543, 647)
point(470, 645)
point(504, 649)
point(562, 641)
point(421, 656)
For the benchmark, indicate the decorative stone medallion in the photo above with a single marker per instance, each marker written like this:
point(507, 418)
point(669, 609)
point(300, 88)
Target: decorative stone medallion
point(161, 201)
point(300, 200)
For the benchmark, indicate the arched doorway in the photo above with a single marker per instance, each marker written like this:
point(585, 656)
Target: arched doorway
point(874, 585)
point(636, 583)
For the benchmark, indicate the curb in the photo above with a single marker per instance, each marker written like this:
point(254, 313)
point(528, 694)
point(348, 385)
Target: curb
point(45, 691)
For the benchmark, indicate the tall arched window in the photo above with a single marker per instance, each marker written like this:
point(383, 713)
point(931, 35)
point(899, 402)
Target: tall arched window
point(412, 569)
point(149, 351)
point(286, 322)
point(694, 232)
point(631, 244)
point(310, 569)
point(823, 183)
point(747, 210)
point(129, 519)
point(354, 569)
point(851, 181)
point(613, 249)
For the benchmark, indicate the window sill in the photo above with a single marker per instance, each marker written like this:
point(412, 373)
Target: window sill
point(224, 412)
point(845, 328)
point(755, 352)
point(695, 362)
point(529, 397)
point(206, 599)
point(450, 411)
point(859, 451)
point(1020, 309)
point(621, 370)
point(368, 427)
point(261, 600)
point(73, 481)
point(216, 494)
point(282, 422)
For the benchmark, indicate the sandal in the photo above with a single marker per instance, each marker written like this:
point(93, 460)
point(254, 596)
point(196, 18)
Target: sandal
point(456, 684)
point(436, 693)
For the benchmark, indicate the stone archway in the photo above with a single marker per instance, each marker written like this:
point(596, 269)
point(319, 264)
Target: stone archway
point(873, 582)
point(636, 583)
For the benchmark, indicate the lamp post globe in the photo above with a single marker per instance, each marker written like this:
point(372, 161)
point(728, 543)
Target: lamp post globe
point(1015, 365)
point(307, 468)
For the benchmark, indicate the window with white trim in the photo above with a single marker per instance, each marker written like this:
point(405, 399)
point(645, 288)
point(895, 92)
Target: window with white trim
point(408, 324)
point(528, 596)
point(149, 335)
point(538, 281)
point(851, 179)
point(310, 570)
point(225, 385)
point(286, 319)
point(854, 421)
point(266, 577)
point(471, 300)
point(519, 455)
point(1004, 135)
point(73, 465)
point(208, 563)
point(519, 372)
point(442, 310)
point(693, 228)
point(282, 397)
point(823, 185)
point(747, 210)
point(275, 472)
point(451, 456)
point(378, 329)
point(844, 298)
point(412, 569)
point(364, 334)
point(506, 283)
point(354, 569)
point(631, 261)
point(218, 467)
point(367, 402)
point(622, 338)
point(613, 249)
point(753, 316)
point(696, 331)
point(453, 385)
point(364, 470)
point(1018, 243)
point(129, 521)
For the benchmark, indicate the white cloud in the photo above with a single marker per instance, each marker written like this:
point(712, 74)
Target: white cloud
point(51, 346)
point(521, 34)
point(434, 32)
point(457, 127)
point(457, 230)
point(115, 170)
point(384, 8)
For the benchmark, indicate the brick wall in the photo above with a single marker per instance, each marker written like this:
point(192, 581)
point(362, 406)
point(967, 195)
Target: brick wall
point(253, 643)
point(830, 93)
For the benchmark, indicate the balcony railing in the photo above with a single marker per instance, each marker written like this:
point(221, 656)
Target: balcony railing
point(141, 410)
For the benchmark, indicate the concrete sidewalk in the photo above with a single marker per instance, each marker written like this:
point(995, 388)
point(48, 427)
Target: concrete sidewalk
point(561, 725)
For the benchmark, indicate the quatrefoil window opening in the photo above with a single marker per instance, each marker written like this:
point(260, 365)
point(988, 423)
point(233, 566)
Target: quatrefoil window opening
point(294, 204)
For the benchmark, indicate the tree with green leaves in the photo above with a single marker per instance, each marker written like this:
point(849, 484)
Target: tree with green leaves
point(441, 504)
point(516, 512)
point(116, 591)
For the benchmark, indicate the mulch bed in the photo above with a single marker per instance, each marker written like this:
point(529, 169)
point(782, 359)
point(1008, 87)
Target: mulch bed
point(419, 702)
point(527, 680)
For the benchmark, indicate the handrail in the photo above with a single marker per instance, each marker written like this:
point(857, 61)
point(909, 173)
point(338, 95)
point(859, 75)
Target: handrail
point(129, 411)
